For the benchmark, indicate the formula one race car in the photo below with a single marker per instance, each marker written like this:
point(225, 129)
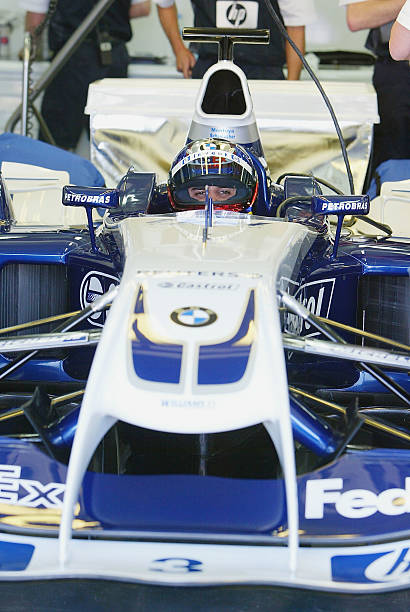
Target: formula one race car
point(208, 384)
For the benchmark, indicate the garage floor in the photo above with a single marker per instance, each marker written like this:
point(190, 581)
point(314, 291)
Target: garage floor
point(108, 596)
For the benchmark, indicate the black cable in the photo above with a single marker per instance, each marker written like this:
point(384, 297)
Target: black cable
point(291, 200)
point(319, 180)
point(382, 226)
point(284, 33)
point(37, 32)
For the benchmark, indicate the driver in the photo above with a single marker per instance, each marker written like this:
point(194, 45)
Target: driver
point(220, 194)
point(221, 167)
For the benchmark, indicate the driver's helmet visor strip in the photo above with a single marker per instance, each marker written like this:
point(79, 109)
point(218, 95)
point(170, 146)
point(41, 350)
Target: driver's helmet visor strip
point(228, 177)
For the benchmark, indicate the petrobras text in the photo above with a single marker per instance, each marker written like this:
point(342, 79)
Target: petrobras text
point(92, 196)
point(87, 199)
point(349, 205)
point(354, 503)
point(344, 206)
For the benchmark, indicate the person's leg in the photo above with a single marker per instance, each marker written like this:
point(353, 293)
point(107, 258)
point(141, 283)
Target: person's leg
point(118, 69)
point(66, 96)
point(391, 81)
point(120, 61)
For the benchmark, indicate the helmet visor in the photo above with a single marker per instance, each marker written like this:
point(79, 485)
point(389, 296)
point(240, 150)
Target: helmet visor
point(229, 178)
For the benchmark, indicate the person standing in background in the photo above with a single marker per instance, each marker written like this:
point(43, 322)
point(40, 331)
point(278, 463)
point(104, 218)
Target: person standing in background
point(103, 54)
point(391, 79)
point(399, 43)
point(258, 61)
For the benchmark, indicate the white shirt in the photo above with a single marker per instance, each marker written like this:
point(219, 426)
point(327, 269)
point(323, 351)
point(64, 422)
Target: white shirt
point(294, 12)
point(345, 2)
point(298, 12)
point(41, 6)
point(404, 16)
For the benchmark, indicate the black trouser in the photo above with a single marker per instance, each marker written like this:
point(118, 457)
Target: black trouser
point(391, 81)
point(252, 71)
point(66, 96)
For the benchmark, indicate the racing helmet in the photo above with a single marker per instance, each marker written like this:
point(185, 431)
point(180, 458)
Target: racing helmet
point(222, 168)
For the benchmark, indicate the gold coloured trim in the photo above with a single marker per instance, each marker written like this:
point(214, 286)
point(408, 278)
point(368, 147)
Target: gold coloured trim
point(367, 420)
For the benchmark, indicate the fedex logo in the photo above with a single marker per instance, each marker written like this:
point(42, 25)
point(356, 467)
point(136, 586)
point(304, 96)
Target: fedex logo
point(24, 492)
point(354, 503)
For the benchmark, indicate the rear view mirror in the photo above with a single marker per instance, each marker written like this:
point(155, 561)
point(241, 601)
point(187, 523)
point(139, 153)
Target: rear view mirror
point(340, 205)
point(91, 197)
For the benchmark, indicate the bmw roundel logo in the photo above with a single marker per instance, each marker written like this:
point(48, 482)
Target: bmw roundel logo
point(193, 316)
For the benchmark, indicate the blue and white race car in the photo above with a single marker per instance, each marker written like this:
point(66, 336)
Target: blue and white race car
point(208, 383)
